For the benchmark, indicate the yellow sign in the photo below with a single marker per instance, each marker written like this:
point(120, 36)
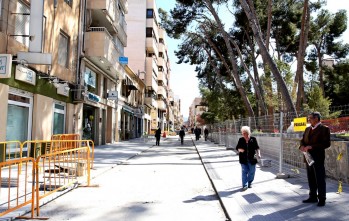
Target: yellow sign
point(299, 124)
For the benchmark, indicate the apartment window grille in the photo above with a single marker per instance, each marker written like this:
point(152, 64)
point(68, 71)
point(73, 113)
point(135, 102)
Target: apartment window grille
point(63, 49)
point(22, 21)
point(150, 13)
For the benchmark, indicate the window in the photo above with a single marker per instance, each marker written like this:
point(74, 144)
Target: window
point(22, 21)
point(58, 119)
point(149, 32)
point(150, 13)
point(63, 49)
point(69, 2)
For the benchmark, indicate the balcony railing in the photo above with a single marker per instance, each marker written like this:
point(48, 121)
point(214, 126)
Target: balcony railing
point(101, 48)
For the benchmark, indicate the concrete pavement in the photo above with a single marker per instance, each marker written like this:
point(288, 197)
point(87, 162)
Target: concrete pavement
point(268, 199)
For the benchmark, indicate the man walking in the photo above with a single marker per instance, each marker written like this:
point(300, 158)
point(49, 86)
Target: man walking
point(157, 136)
point(316, 139)
point(181, 135)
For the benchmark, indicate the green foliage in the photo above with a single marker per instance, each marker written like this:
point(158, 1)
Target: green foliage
point(316, 102)
point(336, 83)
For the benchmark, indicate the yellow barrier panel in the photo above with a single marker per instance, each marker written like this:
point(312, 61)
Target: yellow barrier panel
point(17, 184)
point(58, 170)
point(10, 150)
point(35, 169)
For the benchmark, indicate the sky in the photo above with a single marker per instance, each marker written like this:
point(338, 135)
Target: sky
point(183, 80)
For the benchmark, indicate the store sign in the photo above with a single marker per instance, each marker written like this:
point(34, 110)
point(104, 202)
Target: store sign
point(93, 97)
point(299, 124)
point(63, 90)
point(112, 95)
point(25, 74)
point(5, 65)
point(123, 60)
point(90, 78)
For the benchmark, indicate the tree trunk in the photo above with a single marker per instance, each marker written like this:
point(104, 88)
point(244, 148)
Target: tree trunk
point(266, 56)
point(301, 53)
point(231, 59)
point(266, 69)
point(256, 88)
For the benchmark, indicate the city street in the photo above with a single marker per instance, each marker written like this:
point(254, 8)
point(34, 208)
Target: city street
point(166, 182)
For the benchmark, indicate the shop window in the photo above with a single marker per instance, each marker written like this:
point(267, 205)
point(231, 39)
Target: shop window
point(18, 117)
point(58, 119)
point(63, 49)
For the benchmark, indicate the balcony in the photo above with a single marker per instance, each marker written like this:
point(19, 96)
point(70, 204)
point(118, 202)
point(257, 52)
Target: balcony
point(124, 5)
point(121, 28)
point(152, 45)
point(161, 105)
point(162, 92)
point(150, 101)
point(103, 13)
point(101, 49)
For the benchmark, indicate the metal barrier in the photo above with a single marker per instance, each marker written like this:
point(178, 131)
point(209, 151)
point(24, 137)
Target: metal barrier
point(10, 150)
point(17, 184)
point(282, 150)
point(36, 169)
point(65, 137)
point(38, 147)
point(56, 171)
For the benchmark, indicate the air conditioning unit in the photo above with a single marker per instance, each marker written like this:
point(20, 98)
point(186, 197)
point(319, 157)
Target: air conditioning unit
point(79, 93)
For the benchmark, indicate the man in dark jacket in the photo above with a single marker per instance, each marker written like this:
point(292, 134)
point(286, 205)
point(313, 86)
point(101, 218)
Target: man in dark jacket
point(157, 136)
point(181, 135)
point(316, 139)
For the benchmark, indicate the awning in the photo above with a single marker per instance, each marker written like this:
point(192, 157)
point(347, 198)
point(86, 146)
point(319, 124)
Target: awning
point(131, 87)
point(127, 110)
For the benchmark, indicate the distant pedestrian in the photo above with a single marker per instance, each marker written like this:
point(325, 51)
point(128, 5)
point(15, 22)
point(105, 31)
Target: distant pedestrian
point(157, 136)
point(206, 133)
point(182, 135)
point(248, 152)
point(316, 139)
point(197, 133)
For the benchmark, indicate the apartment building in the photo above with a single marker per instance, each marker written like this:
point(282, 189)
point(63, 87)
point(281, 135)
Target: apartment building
point(40, 55)
point(195, 111)
point(148, 54)
point(65, 71)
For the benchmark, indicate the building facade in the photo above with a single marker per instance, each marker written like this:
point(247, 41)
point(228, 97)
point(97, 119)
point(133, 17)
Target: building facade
point(148, 52)
point(64, 70)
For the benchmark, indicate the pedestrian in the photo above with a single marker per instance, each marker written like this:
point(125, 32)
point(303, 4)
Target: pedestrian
point(316, 139)
point(206, 133)
point(182, 135)
point(197, 133)
point(157, 136)
point(248, 152)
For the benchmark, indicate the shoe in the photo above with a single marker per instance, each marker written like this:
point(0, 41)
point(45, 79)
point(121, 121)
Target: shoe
point(244, 188)
point(250, 186)
point(310, 200)
point(321, 203)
